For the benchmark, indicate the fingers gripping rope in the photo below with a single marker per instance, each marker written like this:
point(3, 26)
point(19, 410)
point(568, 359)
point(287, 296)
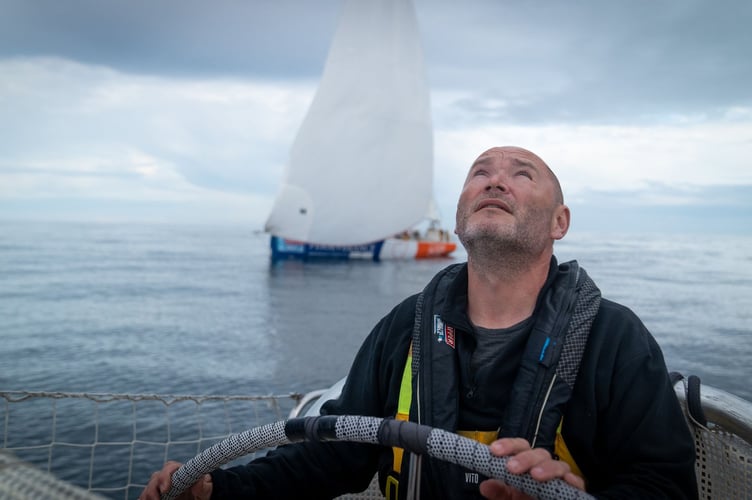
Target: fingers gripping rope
point(229, 449)
point(415, 438)
point(476, 456)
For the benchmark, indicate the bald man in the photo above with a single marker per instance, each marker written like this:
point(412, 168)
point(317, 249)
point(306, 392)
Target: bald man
point(510, 348)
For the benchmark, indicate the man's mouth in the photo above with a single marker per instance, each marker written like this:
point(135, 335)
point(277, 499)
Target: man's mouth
point(494, 203)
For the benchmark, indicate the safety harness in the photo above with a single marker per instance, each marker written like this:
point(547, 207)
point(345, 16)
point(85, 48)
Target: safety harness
point(544, 381)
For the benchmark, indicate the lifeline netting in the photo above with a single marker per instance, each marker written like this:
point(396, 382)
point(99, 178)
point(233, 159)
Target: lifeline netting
point(723, 458)
point(83, 446)
point(61, 445)
point(723, 466)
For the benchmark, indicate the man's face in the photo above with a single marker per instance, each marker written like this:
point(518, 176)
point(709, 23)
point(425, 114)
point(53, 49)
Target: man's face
point(509, 198)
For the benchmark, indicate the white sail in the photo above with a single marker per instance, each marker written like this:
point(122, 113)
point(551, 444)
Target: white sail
point(361, 166)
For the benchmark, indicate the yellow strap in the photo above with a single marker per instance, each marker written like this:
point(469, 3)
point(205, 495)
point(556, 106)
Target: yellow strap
point(392, 488)
point(406, 387)
point(485, 437)
point(561, 450)
point(403, 406)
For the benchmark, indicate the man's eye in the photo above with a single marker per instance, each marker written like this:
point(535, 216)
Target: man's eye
point(525, 173)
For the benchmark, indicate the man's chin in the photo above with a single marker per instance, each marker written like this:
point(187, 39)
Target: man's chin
point(487, 240)
point(493, 233)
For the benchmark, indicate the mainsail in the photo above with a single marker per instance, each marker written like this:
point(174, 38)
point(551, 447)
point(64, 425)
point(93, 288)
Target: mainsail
point(361, 166)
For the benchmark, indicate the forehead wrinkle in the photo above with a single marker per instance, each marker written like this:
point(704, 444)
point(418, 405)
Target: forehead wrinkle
point(481, 161)
point(522, 162)
point(519, 162)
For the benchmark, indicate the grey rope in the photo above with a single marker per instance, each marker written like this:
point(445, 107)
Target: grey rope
point(413, 437)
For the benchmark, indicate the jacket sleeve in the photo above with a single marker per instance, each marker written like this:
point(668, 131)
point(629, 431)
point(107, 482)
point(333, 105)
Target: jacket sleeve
point(631, 432)
point(325, 470)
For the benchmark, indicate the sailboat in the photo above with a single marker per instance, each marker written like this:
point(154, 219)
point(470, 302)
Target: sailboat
point(360, 172)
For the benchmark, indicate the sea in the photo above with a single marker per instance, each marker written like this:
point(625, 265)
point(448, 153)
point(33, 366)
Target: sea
point(182, 309)
point(199, 309)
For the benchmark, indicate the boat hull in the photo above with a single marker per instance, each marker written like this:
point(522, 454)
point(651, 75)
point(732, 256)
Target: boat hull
point(390, 249)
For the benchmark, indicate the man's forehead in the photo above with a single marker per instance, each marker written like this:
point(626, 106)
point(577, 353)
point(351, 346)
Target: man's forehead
point(517, 155)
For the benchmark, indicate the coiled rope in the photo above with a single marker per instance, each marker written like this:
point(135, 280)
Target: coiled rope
point(416, 438)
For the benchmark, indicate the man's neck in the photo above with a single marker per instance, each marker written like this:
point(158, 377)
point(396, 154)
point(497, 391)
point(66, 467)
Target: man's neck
point(502, 295)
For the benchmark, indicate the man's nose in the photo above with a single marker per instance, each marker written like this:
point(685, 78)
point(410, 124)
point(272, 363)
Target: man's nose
point(498, 180)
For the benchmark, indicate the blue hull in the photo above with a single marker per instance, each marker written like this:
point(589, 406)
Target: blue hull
point(288, 249)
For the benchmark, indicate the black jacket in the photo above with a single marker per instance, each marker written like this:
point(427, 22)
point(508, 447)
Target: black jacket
point(623, 424)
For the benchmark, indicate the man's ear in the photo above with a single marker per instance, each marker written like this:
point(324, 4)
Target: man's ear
point(560, 222)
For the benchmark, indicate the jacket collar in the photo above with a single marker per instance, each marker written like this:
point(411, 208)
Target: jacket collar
point(455, 308)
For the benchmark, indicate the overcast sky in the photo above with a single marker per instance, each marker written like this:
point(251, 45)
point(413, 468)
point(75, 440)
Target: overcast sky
point(185, 110)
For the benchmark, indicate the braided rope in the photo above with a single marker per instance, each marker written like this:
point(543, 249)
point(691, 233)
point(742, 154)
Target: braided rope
point(227, 450)
point(477, 456)
point(417, 438)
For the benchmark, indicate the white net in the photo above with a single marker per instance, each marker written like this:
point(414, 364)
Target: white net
point(723, 445)
point(109, 444)
point(21, 481)
point(723, 465)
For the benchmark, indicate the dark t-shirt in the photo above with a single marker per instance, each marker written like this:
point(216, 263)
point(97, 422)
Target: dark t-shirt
point(493, 366)
point(490, 342)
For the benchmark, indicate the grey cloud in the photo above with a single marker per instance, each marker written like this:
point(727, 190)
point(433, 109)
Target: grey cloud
point(604, 62)
point(174, 37)
point(547, 61)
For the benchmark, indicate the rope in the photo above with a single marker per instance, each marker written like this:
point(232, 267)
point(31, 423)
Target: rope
point(167, 399)
point(416, 438)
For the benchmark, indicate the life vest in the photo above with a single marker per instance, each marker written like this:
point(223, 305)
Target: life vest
point(542, 387)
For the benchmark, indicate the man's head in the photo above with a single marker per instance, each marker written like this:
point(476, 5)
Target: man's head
point(511, 202)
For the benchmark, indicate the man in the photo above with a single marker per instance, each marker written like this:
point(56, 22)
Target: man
point(511, 345)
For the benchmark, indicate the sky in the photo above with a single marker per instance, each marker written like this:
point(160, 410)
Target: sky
point(185, 110)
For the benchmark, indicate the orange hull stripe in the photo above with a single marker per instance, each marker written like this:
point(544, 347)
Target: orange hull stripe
point(428, 249)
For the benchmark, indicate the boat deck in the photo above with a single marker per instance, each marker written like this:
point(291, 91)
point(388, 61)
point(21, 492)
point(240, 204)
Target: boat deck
point(86, 446)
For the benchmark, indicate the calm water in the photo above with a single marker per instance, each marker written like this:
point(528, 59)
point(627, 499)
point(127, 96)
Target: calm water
point(195, 310)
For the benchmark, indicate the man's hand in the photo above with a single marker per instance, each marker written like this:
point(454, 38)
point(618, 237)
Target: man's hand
point(161, 481)
point(537, 462)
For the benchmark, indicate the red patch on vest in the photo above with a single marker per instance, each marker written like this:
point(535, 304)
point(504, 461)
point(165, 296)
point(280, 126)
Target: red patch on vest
point(450, 336)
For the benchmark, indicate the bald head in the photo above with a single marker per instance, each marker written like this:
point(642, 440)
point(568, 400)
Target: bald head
point(523, 156)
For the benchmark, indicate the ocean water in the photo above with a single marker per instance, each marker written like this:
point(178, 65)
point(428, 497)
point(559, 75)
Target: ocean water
point(126, 308)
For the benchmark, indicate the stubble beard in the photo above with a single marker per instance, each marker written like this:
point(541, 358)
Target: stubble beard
point(511, 247)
